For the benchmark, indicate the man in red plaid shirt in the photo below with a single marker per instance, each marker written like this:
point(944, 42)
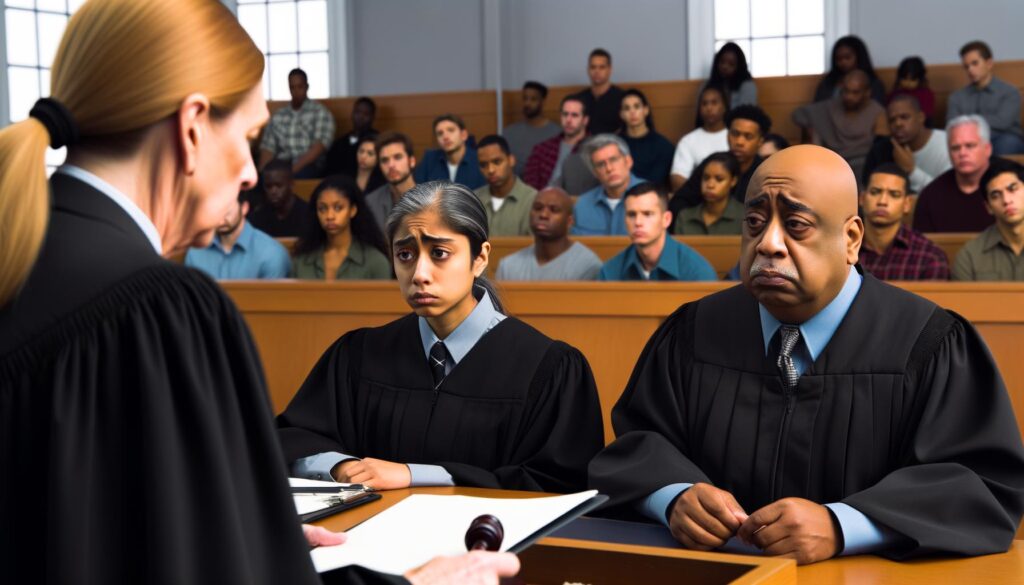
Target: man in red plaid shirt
point(891, 250)
point(545, 163)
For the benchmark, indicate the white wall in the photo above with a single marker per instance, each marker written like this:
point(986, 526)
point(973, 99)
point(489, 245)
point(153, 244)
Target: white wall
point(936, 29)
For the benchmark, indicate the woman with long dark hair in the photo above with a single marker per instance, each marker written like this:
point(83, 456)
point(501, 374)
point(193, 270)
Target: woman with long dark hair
point(730, 72)
point(651, 151)
point(849, 53)
point(710, 135)
point(342, 241)
point(368, 175)
point(456, 392)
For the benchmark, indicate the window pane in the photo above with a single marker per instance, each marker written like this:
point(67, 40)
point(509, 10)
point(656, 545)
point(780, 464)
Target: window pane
point(24, 91)
point(53, 5)
point(768, 18)
point(313, 21)
point(21, 38)
point(20, 3)
point(254, 20)
point(806, 55)
point(280, 65)
point(51, 29)
point(282, 28)
point(44, 83)
point(315, 66)
point(806, 17)
point(74, 5)
point(732, 19)
point(768, 57)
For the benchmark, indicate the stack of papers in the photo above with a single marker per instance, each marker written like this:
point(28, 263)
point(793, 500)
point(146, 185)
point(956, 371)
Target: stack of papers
point(308, 503)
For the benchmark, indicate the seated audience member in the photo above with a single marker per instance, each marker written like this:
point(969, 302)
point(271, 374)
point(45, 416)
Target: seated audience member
point(455, 160)
point(711, 135)
point(653, 254)
point(719, 214)
point(553, 256)
point(240, 251)
point(343, 242)
point(772, 143)
point(748, 125)
point(602, 99)
point(533, 129)
point(283, 214)
point(506, 199)
point(300, 132)
point(598, 212)
point(920, 151)
point(455, 393)
point(551, 158)
point(846, 123)
point(998, 252)
point(990, 97)
point(891, 250)
point(849, 53)
point(652, 152)
point(816, 411)
point(396, 162)
point(912, 80)
point(730, 72)
point(342, 158)
point(368, 176)
point(955, 200)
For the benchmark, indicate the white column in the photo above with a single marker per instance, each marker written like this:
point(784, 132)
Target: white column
point(340, 53)
point(700, 26)
point(491, 31)
point(5, 107)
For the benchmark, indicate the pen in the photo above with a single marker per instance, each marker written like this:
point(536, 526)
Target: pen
point(355, 487)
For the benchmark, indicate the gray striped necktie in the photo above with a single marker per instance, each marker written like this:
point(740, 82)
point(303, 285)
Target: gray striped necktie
point(789, 336)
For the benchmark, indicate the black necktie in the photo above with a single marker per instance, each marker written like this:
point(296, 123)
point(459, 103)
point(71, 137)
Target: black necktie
point(789, 336)
point(438, 355)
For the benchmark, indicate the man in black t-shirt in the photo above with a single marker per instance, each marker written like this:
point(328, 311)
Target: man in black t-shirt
point(601, 100)
point(283, 214)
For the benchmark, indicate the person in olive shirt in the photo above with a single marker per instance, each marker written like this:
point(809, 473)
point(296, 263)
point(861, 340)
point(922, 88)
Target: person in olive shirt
point(343, 241)
point(998, 252)
point(506, 199)
point(719, 214)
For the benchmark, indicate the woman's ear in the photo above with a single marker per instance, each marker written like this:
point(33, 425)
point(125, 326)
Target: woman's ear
point(480, 262)
point(192, 122)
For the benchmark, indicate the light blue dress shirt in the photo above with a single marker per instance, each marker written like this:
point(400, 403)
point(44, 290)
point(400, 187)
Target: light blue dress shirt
point(254, 255)
point(122, 200)
point(593, 215)
point(861, 535)
point(677, 262)
point(482, 319)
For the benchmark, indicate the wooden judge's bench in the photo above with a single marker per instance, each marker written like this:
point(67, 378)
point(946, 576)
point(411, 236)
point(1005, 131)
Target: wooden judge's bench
point(610, 552)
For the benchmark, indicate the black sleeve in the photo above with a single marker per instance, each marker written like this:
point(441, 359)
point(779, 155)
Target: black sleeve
point(650, 424)
point(960, 489)
point(354, 575)
point(560, 434)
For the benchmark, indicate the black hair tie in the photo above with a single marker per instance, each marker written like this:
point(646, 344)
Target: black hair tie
point(58, 121)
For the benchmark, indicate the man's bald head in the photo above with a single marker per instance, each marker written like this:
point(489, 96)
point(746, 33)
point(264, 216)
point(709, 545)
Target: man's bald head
point(801, 231)
point(855, 90)
point(551, 214)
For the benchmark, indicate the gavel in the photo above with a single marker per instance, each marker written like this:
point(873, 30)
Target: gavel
point(485, 533)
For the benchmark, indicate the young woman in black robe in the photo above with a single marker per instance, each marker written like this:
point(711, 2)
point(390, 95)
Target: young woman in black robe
point(499, 405)
point(136, 439)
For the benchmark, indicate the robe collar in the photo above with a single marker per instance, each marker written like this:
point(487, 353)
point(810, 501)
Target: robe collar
point(130, 207)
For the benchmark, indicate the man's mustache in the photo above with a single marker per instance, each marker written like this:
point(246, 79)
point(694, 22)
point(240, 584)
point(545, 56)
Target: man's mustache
point(768, 269)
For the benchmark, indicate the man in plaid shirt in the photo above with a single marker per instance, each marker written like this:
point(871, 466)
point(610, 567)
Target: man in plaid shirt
point(301, 133)
point(891, 250)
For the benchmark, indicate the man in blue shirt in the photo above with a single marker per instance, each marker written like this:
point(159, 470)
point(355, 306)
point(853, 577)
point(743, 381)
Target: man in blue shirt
point(653, 255)
point(598, 212)
point(240, 251)
point(455, 160)
point(816, 411)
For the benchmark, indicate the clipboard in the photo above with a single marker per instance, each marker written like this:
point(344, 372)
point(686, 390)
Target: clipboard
point(357, 500)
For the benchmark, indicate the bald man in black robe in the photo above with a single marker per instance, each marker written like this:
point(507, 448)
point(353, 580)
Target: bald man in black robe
point(815, 410)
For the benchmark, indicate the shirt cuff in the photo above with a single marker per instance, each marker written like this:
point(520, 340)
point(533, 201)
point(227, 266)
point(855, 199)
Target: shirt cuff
point(318, 466)
point(861, 535)
point(427, 475)
point(655, 506)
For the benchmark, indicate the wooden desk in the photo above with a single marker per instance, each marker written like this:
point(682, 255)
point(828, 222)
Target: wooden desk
point(1002, 569)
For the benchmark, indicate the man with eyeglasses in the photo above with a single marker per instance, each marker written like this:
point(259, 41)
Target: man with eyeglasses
point(599, 211)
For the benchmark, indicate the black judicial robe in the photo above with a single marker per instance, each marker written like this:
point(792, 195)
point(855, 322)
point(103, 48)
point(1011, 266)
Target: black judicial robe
point(903, 416)
point(520, 411)
point(136, 437)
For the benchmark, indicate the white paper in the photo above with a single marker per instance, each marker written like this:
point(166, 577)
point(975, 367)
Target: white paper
point(421, 527)
point(307, 503)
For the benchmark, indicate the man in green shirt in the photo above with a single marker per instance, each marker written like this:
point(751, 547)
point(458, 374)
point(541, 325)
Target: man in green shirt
point(506, 199)
point(998, 252)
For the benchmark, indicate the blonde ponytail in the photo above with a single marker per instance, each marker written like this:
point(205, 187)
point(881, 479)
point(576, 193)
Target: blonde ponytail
point(122, 66)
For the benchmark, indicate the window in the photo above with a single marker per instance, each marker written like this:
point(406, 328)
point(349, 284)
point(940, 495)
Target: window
point(779, 37)
point(291, 33)
point(33, 30)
